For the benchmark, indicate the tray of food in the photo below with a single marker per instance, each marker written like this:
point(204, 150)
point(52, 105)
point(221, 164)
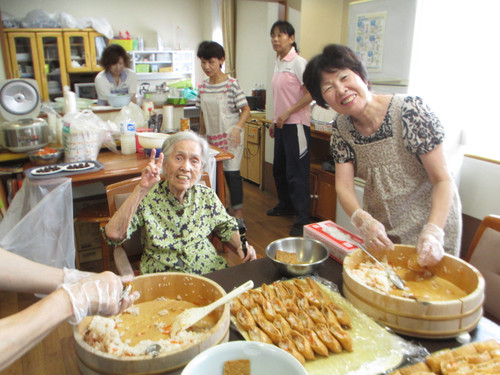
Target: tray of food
point(474, 358)
point(309, 318)
point(63, 169)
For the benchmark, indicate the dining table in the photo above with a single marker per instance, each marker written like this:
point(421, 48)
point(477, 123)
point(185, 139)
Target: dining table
point(118, 167)
point(263, 270)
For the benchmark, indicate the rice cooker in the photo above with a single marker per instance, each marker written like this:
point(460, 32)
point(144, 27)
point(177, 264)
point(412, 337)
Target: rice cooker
point(20, 105)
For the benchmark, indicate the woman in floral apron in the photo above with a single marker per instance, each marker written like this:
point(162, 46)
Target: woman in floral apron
point(224, 111)
point(395, 144)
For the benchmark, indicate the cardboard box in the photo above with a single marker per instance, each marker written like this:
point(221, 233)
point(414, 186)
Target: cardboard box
point(337, 239)
point(87, 235)
point(89, 255)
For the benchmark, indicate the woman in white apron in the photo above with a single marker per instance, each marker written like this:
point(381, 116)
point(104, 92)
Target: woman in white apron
point(224, 111)
point(394, 143)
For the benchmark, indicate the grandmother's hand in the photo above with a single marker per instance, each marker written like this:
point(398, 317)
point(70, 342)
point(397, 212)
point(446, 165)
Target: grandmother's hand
point(151, 175)
point(372, 231)
point(251, 253)
point(430, 245)
point(100, 294)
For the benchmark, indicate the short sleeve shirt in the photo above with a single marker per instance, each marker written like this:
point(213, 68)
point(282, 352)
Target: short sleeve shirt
point(422, 131)
point(288, 87)
point(174, 235)
point(105, 84)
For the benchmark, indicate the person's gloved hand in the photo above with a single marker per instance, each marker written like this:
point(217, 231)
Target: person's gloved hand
point(234, 133)
point(100, 294)
point(372, 231)
point(72, 275)
point(430, 245)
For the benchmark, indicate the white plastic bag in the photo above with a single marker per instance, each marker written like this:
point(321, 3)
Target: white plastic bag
point(84, 133)
point(39, 18)
point(39, 223)
point(131, 112)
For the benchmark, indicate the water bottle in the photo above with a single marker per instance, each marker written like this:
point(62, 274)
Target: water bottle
point(127, 137)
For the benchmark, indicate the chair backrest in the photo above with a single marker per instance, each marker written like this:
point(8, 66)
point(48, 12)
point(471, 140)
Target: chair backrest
point(484, 254)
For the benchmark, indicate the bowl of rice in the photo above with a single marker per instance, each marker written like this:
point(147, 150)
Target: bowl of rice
point(139, 341)
point(442, 301)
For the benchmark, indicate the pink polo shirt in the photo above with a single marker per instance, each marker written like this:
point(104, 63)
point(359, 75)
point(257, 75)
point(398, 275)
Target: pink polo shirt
point(288, 87)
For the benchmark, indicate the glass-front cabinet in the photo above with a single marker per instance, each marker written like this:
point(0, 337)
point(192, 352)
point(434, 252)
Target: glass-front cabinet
point(49, 56)
point(38, 56)
point(83, 50)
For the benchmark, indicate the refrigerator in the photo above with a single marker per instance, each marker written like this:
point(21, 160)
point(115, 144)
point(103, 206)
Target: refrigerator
point(382, 33)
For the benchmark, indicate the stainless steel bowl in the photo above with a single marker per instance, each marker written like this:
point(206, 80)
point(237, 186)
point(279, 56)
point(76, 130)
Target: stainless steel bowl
point(311, 253)
point(39, 157)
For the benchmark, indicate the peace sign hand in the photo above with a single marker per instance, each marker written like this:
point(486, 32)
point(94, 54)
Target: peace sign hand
point(151, 175)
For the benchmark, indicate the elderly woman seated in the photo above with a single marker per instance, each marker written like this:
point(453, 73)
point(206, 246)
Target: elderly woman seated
point(176, 214)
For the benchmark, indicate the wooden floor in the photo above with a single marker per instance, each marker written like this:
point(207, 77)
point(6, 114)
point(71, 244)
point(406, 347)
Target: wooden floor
point(56, 355)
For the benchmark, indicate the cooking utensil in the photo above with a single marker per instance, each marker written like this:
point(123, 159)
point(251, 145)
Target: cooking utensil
point(310, 253)
point(190, 316)
point(395, 279)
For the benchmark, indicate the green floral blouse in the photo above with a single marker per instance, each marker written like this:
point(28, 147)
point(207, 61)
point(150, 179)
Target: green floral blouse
point(175, 236)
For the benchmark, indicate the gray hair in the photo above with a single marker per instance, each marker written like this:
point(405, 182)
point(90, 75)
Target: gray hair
point(168, 148)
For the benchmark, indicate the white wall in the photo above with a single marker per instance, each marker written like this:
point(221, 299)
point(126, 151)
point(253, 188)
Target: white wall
point(146, 18)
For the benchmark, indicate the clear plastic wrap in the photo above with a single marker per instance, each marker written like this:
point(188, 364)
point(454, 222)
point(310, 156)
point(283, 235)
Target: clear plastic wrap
point(39, 223)
point(376, 350)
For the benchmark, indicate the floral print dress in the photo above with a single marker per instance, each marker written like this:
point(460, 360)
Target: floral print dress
point(175, 236)
point(397, 189)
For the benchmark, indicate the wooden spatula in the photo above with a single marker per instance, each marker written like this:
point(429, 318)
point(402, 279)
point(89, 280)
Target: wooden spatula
point(190, 316)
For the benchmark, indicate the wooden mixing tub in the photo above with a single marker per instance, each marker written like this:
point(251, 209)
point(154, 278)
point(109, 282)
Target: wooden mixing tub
point(425, 319)
point(193, 288)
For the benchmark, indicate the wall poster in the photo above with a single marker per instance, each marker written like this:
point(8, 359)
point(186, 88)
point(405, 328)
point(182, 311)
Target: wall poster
point(369, 39)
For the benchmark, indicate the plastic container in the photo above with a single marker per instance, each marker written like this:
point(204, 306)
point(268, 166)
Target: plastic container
point(128, 143)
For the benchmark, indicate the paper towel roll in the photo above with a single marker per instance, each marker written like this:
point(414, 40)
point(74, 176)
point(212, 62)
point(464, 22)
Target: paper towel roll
point(168, 119)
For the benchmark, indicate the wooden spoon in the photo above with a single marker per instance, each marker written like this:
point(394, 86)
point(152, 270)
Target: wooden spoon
point(190, 316)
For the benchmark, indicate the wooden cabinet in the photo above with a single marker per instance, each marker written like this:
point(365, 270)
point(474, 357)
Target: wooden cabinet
point(83, 50)
point(253, 152)
point(46, 56)
point(321, 182)
point(323, 195)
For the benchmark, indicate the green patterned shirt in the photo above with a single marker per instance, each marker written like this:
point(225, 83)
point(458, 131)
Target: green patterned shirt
point(175, 236)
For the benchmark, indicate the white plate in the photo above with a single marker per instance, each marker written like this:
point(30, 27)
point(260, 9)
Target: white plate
point(38, 171)
point(89, 166)
point(264, 359)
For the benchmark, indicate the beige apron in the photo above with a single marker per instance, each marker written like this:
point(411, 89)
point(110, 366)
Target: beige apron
point(218, 120)
point(397, 189)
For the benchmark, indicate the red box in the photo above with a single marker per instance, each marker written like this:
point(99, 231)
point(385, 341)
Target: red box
point(338, 240)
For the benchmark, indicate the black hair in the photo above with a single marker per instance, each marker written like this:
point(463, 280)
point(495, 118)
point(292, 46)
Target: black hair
point(112, 54)
point(286, 28)
point(208, 49)
point(333, 58)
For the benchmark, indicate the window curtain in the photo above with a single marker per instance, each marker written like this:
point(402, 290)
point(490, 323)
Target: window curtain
point(228, 15)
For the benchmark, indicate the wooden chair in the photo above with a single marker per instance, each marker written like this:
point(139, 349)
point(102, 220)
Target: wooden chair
point(131, 250)
point(97, 213)
point(484, 254)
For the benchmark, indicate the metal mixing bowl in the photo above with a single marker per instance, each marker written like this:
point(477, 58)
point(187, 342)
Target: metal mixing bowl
point(44, 156)
point(311, 253)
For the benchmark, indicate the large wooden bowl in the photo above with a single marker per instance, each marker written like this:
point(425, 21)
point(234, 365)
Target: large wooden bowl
point(193, 288)
point(429, 319)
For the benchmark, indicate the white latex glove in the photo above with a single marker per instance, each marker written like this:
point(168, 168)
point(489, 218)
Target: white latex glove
point(234, 133)
point(372, 231)
point(100, 294)
point(72, 275)
point(430, 245)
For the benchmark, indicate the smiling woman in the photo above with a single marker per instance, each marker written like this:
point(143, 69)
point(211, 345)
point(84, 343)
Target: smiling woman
point(176, 215)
